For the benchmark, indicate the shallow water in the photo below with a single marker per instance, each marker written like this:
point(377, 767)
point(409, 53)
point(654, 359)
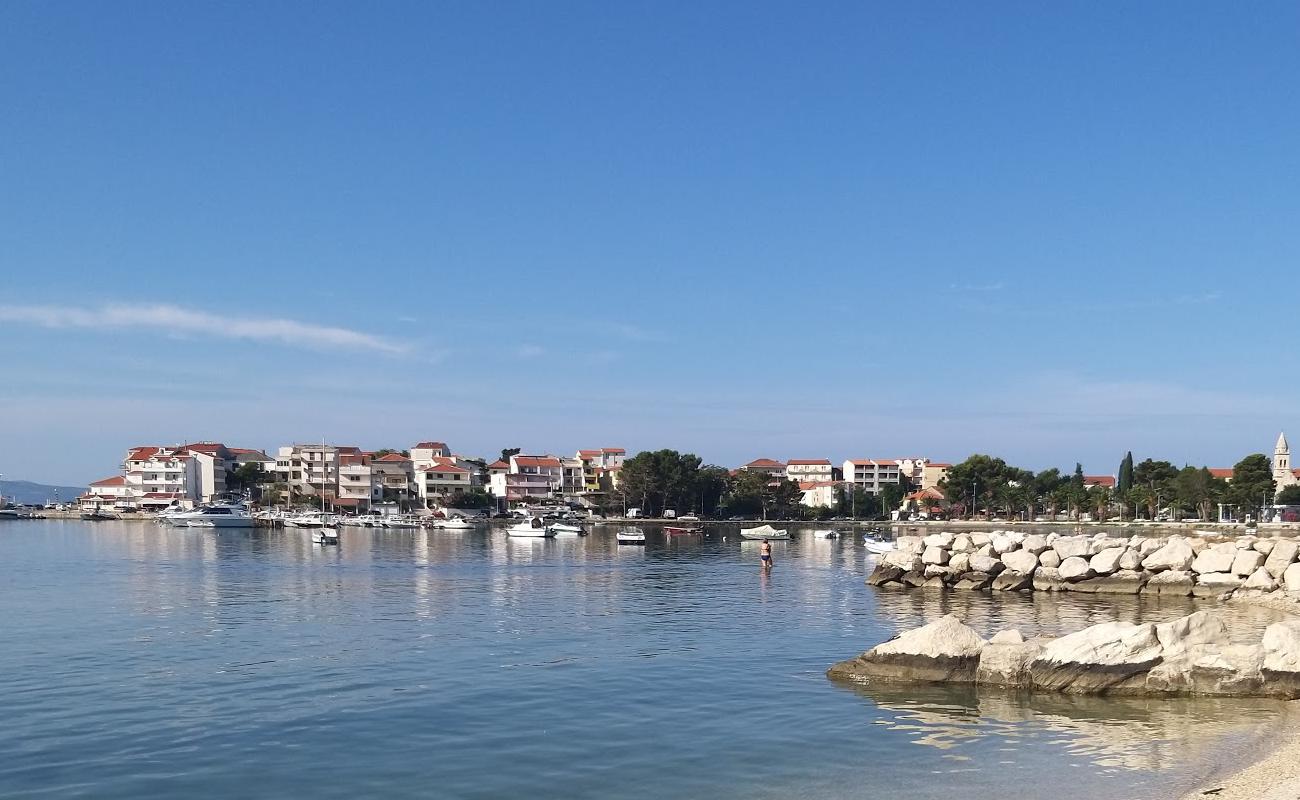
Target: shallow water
point(144, 661)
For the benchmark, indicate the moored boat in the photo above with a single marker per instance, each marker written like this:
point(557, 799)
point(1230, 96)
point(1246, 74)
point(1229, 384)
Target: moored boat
point(877, 545)
point(217, 515)
point(764, 532)
point(97, 515)
point(565, 529)
point(682, 530)
point(825, 533)
point(630, 536)
point(325, 536)
point(533, 527)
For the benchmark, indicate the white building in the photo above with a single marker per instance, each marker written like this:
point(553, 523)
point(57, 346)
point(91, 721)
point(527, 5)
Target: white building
point(600, 468)
point(872, 474)
point(766, 466)
point(312, 470)
point(820, 494)
point(526, 479)
point(805, 470)
point(108, 494)
point(440, 483)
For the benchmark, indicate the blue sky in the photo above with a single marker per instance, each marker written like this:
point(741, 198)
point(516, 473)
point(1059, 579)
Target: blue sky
point(1054, 232)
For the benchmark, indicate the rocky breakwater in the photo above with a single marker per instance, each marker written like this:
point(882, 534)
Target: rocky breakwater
point(1188, 656)
point(1019, 561)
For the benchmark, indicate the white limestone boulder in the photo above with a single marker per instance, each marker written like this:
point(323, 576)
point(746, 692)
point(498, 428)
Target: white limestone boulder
point(1176, 554)
point(1035, 543)
point(1215, 559)
point(1106, 561)
point(1049, 558)
point(934, 555)
point(1021, 562)
point(1105, 657)
point(1075, 568)
point(1072, 546)
point(944, 651)
point(1131, 560)
point(1246, 562)
point(1283, 554)
point(1260, 581)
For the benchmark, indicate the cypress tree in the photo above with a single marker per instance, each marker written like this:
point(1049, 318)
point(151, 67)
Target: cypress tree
point(1125, 480)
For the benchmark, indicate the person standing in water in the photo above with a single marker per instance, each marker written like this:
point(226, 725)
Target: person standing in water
point(765, 554)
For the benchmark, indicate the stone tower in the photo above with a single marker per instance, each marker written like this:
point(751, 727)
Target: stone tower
point(1282, 474)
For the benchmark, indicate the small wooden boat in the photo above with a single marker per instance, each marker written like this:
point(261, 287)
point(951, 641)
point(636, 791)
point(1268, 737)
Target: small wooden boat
point(764, 532)
point(630, 536)
point(679, 530)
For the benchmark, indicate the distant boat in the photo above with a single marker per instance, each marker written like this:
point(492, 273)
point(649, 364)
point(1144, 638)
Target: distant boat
point(404, 521)
point(97, 515)
point(825, 533)
point(679, 530)
point(630, 536)
point(325, 536)
point(565, 529)
point(531, 528)
point(764, 532)
point(217, 515)
point(455, 524)
point(877, 545)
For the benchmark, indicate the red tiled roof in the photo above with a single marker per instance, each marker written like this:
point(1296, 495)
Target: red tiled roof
point(926, 494)
point(430, 446)
point(346, 502)
point(537, 461)
point(352, 459)
point(809, 462)
point(940, 465)
point(141, 453)
point(116, 480)
point(499, 464)
point(1099, 480)
point(1221, 472)
point(806, 485)
point(248, 451)
point(163, 495)
point(442, 468)
point(764, 462)
point(391, 457)
point(613, 450)
point(582, 453)
point(862, 462)
point(207, 448)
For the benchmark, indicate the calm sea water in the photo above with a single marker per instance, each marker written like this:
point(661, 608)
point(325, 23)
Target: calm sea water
point(144, 661)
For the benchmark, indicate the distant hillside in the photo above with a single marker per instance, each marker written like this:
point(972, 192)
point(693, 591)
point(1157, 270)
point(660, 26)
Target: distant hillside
point(28, 493)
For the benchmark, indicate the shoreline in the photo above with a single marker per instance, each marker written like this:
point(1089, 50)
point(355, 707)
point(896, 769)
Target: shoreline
point(1274, 776)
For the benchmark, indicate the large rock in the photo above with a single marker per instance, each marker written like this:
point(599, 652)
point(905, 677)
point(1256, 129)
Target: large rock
point(1214, 584)
point(935, 571)
point(1203, 627)
point(1111, 656)
point(903, 559)
point(1003, 543)
point(987, 564)
point(910, 544)
point(1215, 559)
point(1009, 581)
point(1075, 568)
point(1281, 664)
point(1072, 546)
point(1176, 554)
point(945, 651)
point(934, 555)
point(915, 579)
point(961, 543)
point(1172, 582)
point(940, 540)
point(1009, 636)
point(1035, 543)
point(980, 538)
point(1290, 577)
point(1021, 561)
point(1131, 560)
point(1284, 552)
point(974, 580)
point(1049, 558)
point(1233, 670)
point(1106, 561)
point(1265, 546)
point(1149, 546)
point(884, 573)
point(1259, 581)
point(1246, 562)
point(1007, 664)
point(1122, 582)
point(1048, 579)
point(959, 563)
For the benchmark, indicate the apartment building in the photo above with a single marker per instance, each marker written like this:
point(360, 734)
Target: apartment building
point(312, 470)
point(805, 470)
point(600, 468)
point(527, 479)
point(820, 494)
point(439, 483)
point(871, 474)
point(766, 466)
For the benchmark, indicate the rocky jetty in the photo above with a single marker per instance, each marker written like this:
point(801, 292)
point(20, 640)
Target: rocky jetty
point(1192, 655)
point(1101, 564)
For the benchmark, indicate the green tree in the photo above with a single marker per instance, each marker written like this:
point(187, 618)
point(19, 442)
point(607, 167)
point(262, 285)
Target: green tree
point(247, 476)
point(1289, 496)
point(661, 479)
point(474, 498)
point(744, 493)
point(1252, 484)
point(782, 499)
point(510, 451)
point(1099, 500)
point(975, 481)
point(1158, 477)
point(1125, 481)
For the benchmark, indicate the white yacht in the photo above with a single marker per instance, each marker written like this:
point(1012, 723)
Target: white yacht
point(325, 536)
point(533, 527)
point(218, 515)
point(309, 519)
point(565, 529)
point(454, 524)
point(630, 536)
point(764, 532)
point(402, 521)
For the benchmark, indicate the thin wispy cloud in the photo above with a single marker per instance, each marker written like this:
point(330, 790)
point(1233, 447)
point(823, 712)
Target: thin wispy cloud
point(177, 320)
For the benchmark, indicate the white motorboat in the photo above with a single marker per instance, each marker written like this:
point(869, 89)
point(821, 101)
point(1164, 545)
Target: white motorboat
point(565, 529)
point(455, 524)
point(325, 536)
point(630, 536)
point(401, 522)
point(310, 519)
point(825, 533)
point(533, 527)
point(764, 532)
point(875, 544)
point(217, 515)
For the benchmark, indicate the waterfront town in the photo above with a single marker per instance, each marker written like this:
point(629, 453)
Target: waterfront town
point(429, 475)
